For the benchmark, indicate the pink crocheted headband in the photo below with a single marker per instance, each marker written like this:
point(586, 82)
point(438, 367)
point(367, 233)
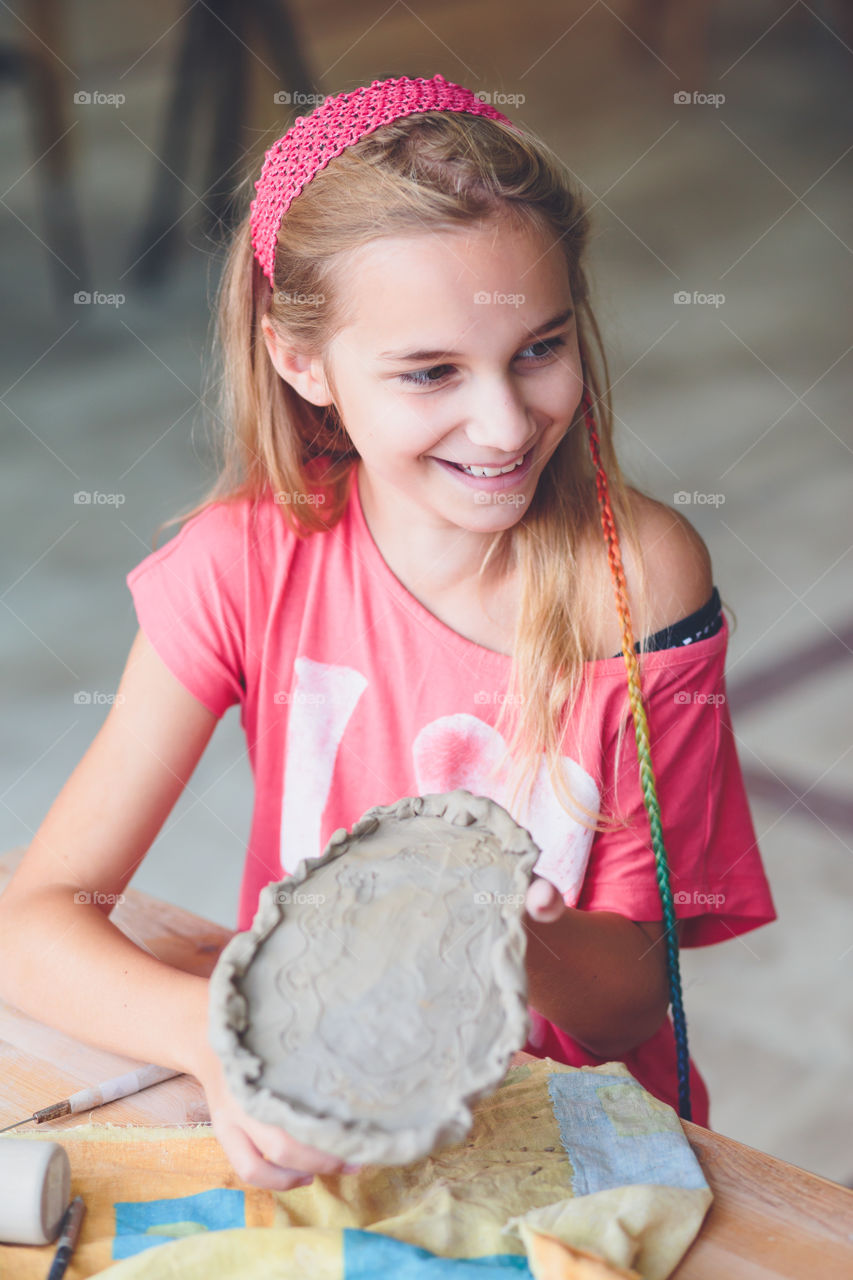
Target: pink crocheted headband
point(313, 140)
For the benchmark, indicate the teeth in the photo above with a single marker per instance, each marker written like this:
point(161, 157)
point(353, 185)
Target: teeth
point(490, 471)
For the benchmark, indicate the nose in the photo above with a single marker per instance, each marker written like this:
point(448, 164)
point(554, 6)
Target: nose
point(499, 421)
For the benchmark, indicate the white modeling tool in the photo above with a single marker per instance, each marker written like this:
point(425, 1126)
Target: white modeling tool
point(86, 1099)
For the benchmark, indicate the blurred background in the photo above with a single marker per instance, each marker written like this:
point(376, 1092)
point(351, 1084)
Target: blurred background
point(713, 143)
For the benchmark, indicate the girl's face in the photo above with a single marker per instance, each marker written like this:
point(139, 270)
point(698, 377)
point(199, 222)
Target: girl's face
point(461, 349)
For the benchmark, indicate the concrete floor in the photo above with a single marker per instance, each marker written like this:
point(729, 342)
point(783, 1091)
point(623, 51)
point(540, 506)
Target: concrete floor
point(749, 399)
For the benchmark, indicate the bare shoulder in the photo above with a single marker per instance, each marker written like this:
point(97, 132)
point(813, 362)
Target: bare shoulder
point(677, 563)
point(678, 576)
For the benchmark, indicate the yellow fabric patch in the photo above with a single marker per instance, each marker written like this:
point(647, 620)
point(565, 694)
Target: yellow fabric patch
point(632, 1111)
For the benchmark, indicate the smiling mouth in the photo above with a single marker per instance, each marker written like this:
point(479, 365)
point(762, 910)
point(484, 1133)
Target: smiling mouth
point(473, 469)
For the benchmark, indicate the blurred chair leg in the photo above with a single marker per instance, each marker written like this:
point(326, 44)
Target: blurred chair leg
point(49, 95)
point(281, 38)
point(161, 226)
point(230, 72)
point(281, 47)
point(213, 66)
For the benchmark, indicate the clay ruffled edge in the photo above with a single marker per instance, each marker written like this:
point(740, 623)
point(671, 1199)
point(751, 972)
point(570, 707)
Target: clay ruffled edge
point(369, 1143)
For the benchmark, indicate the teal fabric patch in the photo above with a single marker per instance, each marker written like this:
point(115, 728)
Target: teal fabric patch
point(143, 1224)
point(615, 1134)
point(368, 1256)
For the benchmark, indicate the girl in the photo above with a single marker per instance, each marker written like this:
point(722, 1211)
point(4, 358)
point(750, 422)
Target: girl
point(401, 577)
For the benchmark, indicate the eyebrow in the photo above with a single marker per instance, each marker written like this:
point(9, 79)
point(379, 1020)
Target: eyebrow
point(405, 356)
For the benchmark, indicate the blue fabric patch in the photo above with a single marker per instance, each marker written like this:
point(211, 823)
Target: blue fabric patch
point(616, 1137)
point(368, 1256)
point(143, 1224)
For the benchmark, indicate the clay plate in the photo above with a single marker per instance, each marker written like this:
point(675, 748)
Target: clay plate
point(381, 989)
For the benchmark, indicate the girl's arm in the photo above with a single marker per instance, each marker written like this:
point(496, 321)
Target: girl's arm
point(599, 976)
point(62, 960)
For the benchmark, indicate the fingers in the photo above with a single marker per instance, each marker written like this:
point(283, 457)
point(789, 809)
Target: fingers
point(279, 1147)
point(266, 1156)
point(252, 1167)
point(543, 901)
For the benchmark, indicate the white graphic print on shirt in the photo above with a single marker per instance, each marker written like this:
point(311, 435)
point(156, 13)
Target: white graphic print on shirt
point(449, 752)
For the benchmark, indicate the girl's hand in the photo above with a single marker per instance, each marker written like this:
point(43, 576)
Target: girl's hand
point(261, 1154)
point(543, 901)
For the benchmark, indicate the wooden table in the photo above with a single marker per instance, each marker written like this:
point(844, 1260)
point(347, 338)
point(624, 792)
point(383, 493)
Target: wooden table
point(769, 1219)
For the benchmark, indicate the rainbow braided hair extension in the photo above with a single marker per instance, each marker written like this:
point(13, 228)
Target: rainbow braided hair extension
point(647, 776)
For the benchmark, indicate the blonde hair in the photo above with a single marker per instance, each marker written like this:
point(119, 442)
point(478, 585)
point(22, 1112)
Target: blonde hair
point(423, 173)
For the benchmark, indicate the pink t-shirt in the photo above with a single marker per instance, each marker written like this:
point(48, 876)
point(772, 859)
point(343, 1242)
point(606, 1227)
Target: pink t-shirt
point(353, 694)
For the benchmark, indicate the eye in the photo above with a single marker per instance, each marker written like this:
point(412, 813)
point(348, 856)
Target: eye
point(550, 345)
point(422, 377)
point(426, 378)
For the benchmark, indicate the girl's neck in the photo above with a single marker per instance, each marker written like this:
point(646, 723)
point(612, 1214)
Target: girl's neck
point(428, 558)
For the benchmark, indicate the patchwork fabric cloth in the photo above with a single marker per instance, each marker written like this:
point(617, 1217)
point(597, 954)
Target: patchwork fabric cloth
point(558, 1156)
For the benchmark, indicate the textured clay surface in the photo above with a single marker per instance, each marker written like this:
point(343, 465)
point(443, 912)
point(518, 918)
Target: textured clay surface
point(381, 989)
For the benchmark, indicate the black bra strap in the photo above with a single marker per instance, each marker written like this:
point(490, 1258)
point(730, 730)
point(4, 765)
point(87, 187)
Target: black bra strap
point(704, 622)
